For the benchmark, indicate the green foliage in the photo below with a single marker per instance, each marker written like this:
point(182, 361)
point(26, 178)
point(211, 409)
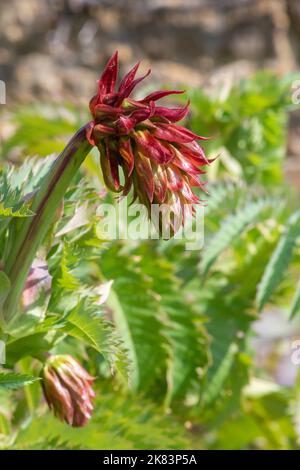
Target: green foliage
point(171, 346)
point(12, 381)
point(279, 261)
point(85, 324)
point(41, 130)
point(137, 317)
point(295, 307)
point(248, 124)
point(232, 227)
point(120, 421)
point(11, 204)
point(158, 323)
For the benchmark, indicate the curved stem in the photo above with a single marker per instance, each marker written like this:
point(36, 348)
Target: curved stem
point(33, 230)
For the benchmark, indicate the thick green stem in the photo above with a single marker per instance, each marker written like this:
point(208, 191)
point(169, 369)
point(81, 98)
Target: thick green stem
point(33, 230)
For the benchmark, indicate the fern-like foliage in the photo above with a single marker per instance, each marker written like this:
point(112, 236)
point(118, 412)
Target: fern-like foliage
point(232, 227)
point(86, 323)
point(279, 261)
point(120, 421)
point(12, 381)
point(177, 323)
point(137, 318)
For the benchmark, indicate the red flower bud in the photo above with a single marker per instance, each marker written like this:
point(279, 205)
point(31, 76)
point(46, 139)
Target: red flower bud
point(67, 388)
point(160, 159)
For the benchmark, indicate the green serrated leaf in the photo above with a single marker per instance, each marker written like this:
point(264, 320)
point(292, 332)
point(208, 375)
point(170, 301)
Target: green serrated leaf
point(137, 317)
point(231, 228)
point(279, 261)
point(6, 212)
point(187, 340)
point(13, 381)
point(221, 371)
point(84, 323)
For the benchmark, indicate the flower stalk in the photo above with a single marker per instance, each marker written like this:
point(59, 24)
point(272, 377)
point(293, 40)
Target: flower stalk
point(32, 231)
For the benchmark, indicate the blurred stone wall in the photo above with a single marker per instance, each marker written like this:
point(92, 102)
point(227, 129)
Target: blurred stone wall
point(55, 49)
point(51, 48)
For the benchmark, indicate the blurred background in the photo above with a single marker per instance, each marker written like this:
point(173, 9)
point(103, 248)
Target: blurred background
point(54, 49)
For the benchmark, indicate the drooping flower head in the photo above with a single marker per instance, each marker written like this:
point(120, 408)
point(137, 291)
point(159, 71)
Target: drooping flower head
point(67, 388)
point(160, 159)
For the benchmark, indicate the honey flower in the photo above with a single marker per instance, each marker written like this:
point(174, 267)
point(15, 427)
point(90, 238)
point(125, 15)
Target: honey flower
point(67, 388)
point(160, 159)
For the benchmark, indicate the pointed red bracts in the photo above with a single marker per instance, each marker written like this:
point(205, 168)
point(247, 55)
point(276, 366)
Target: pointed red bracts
point(159, 158)
point(67, 388)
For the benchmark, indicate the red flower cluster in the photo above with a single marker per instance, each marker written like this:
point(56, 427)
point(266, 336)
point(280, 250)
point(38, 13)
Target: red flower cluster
point(68, 389)
point(159, 158)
